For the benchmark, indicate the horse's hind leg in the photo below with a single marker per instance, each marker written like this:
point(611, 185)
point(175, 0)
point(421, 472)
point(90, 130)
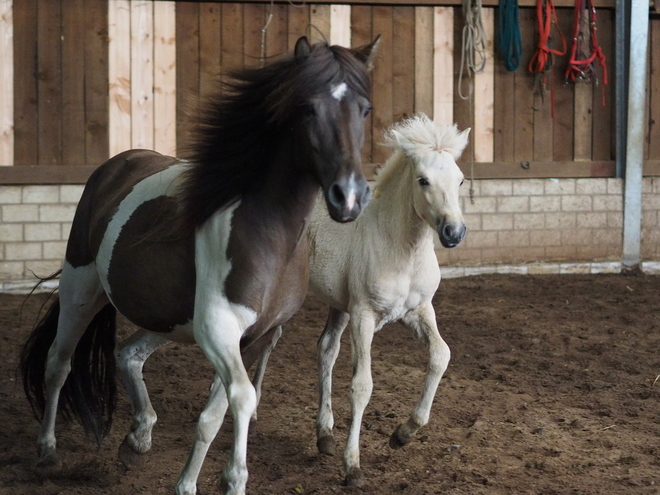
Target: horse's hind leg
point(258, 377)
point(81, 297)
point(422, 322)
point(131, 355)
point(328, 350)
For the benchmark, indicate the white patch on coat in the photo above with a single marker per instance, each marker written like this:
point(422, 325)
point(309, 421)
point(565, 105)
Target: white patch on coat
point(154, 186)
point(350, 198)
point(339, 91)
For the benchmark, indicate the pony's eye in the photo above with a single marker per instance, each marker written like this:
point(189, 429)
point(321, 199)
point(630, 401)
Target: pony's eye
point(423, 181)
point(307, 109)
point(461, 182)
point(366, 111)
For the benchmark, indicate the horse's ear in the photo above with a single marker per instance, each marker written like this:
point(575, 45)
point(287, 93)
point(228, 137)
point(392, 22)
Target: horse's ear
point(463, 136)
point(302, 49)
point(367, 53)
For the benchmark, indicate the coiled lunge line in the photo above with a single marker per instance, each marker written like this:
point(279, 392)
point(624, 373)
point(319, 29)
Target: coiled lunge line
point(509, 40)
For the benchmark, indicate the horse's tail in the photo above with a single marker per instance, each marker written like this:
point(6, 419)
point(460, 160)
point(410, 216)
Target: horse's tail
point(89, 392)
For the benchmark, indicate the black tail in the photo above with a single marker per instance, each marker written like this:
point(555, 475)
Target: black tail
point(89, 393)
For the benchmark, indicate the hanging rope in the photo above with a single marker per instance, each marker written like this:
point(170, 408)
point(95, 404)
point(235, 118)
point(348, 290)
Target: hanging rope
point(585, 50)
point(509, 40)
point(263, 33)
point(541, 62)
point(473, 47)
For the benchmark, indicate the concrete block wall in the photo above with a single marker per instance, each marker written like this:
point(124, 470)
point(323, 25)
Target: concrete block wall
point(548, 225)
point(35, 222)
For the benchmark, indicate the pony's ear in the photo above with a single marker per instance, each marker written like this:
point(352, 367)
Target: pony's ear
point(302, 49)
point(366, 53)
point(463, 137)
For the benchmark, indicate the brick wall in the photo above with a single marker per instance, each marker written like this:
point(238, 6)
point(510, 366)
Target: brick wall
point(514, 224)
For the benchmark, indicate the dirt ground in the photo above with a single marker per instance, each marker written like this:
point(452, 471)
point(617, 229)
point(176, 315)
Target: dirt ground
point(552, 389)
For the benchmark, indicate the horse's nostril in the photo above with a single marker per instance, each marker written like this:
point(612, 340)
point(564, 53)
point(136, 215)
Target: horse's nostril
point(336, 195)
point(446, 231)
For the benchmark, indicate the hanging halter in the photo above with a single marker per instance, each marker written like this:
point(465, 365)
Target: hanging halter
point(541, 62)
point(585, 51)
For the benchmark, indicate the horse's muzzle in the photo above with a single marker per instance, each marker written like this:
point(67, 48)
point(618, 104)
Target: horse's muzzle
point(451, 234)
point(346, 199)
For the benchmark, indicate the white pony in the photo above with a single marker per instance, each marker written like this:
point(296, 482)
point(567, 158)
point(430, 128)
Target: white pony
point(383, 268)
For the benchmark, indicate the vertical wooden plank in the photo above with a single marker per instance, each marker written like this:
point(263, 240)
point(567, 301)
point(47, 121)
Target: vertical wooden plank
point(340, 25)
point(26, 148)
point(603, 116)
point(563, 125)
point(96, 82)
point(165, 77)
point(210, 46)
point(6, 83)
point(276, 33)
point(484, 95)
point(654, 90)
point(119, 75)
point(73, 83)
point(443, 64)
point(49, 68)
point(463, 112)
point(503, 107)
point(523, 101)
point(319, 18)
point(582, 104)
point(403, 63)
point(232, 36)
point(362, 34)
point(382, 81)
point(142, 73)
point(254, 19)
point(298, 23)
point(187, 67)
point(424, 60)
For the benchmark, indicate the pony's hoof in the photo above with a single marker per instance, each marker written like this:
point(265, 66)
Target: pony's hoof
point(399, 438)
point(50, 462)
point(129, 457)
point(327, 445)
point(354, 478)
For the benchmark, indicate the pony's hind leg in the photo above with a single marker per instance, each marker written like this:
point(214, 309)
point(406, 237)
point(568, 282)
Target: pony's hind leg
point(328, 350)
point(81, 297)
point(422, 322)
point(131, 355)
point(258, 377)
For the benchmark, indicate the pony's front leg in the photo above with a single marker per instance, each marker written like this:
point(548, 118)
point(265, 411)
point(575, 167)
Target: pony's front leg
point(258, 377)
point(328, 350)
point(422, 322)
point(361, 386)
point(131, 355)
point(207, 428)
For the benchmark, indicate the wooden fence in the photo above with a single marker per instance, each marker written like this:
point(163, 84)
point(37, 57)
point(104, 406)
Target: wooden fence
point(91, 78)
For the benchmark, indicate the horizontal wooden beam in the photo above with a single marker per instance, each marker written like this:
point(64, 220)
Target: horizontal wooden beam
point(606, 4)
point(78, 174)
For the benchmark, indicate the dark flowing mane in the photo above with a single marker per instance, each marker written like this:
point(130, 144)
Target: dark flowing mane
point(238, 128)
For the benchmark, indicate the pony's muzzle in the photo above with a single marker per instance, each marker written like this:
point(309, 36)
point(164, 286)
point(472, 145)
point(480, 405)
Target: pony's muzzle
point(451, 234)
point(347, 199)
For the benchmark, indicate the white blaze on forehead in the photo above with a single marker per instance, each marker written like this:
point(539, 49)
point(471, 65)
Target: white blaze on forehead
point(339, 91)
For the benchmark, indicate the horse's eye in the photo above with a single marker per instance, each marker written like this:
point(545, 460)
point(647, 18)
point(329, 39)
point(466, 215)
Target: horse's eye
point(423, 181)
point(307, 109)
point(366, 111)
point(461, 182)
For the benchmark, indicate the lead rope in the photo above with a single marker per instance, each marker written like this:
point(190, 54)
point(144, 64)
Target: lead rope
point(581, 66)
point(509, 40)
point(263, 33)
point(541, 62)
point(473, 49)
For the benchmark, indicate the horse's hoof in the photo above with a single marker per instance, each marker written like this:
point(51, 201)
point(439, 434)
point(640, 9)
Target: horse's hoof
point(354, 478)
point(398, 438)
point(50, 462)
point(327, 445)
point(129, 457)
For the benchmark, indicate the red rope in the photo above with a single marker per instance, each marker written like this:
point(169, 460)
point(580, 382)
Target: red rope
point(584, 68)
point(541, 62)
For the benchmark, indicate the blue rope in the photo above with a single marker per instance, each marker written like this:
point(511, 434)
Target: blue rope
point(509, 41)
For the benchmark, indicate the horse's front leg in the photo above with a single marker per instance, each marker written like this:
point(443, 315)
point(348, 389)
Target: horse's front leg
point(218, 331)
point(361, 387)
point(131, 355)
point(422, 322)
point(328, 350)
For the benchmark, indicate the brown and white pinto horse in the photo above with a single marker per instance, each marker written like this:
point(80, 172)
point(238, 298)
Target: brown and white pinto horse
point(209, 250)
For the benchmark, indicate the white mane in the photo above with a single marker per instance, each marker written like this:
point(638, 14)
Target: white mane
point(418, 136)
